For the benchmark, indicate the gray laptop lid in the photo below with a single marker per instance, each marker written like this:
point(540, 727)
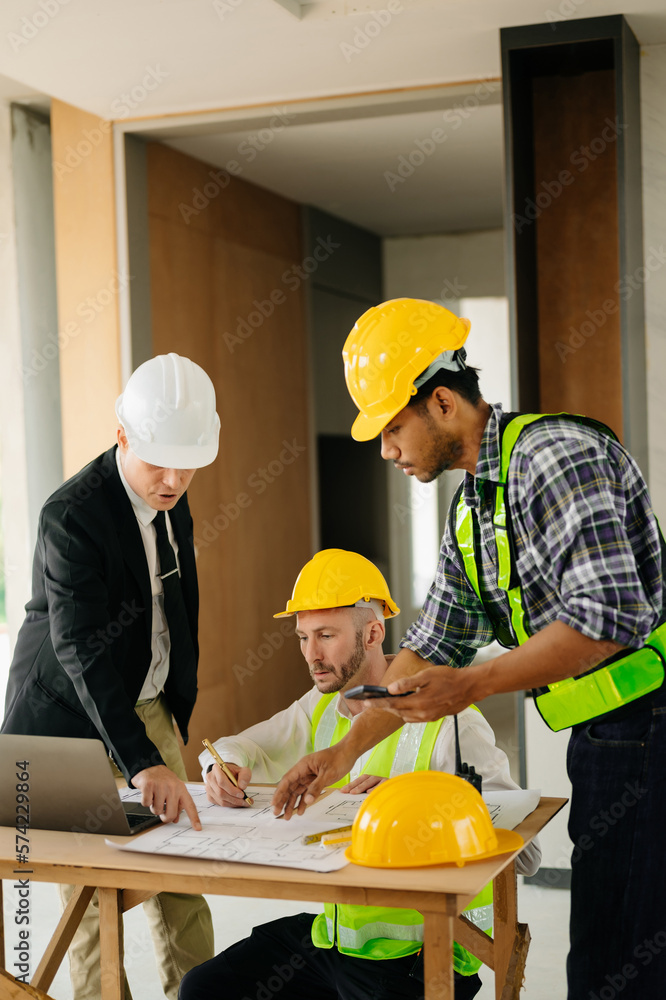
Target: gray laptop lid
point(71, 786)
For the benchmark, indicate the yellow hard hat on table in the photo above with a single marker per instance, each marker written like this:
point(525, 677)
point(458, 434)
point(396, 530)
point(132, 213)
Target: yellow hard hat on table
point(389, 347)
point(426, 818)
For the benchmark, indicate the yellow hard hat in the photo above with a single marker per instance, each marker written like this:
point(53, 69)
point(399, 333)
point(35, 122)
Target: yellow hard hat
point(389, 347)
point(426, 818)
point(335, 578)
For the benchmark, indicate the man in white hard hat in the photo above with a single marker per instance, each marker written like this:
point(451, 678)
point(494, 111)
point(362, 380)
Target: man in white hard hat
point(108, 649)
point(341, 601)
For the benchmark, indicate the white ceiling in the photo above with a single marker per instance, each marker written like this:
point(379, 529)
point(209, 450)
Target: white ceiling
point(142, 58)
point(360, 169)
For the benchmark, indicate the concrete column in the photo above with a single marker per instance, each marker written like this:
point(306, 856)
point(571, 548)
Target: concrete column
point(653, 131)
point(15, 514)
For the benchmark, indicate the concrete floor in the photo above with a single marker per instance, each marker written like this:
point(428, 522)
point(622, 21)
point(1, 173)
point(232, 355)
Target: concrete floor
point(545, 910)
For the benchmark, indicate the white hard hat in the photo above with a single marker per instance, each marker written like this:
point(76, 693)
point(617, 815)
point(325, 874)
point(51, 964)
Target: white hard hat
point(168, 413)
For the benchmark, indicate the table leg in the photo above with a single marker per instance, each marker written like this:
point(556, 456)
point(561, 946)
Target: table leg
point(62, 937)
point(111, 944)
point(516, 973)
point(438, 955)
point(505, 921)
point(12, 989)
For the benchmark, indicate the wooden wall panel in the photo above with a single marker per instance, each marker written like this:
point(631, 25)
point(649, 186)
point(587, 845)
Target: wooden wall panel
point(575, 166)
point(87, 282)
point(572, 126)
point(214, 272)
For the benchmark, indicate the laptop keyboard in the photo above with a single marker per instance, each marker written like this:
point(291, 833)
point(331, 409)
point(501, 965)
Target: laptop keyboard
point(135, 819)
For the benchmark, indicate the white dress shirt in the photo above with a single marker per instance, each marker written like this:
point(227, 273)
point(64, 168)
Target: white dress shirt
point(160, 642)
point(270, 748)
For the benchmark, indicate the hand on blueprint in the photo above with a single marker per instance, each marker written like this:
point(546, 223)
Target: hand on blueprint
point(221, 791)
point(304, 782)
point(166, 794)
point(363, 783)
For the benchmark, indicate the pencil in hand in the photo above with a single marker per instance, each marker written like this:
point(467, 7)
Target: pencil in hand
point(232, 778)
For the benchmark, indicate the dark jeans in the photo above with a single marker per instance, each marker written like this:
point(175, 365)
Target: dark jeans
point(617, 767)
point(279, 962)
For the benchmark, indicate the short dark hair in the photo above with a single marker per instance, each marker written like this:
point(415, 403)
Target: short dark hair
point(465, 383)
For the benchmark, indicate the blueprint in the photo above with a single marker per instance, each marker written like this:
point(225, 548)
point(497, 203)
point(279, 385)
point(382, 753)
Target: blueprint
point(509, 808)
point(253, 835)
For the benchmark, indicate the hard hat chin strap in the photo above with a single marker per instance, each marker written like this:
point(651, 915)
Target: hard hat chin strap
point(452, 361)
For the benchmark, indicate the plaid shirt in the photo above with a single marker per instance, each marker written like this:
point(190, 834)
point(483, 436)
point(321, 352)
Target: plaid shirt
point(587, 545)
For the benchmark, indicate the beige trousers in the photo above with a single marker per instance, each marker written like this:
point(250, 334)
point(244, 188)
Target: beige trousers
point(180, 925)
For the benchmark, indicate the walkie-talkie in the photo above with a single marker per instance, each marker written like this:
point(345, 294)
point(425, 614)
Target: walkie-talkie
point(465, 771)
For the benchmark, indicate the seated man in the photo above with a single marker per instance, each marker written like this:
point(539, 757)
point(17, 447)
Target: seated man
point(341, 601)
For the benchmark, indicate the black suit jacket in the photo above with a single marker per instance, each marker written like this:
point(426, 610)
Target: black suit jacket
point(84, 649)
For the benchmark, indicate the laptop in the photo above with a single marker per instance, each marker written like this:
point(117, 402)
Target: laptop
point(70, 787)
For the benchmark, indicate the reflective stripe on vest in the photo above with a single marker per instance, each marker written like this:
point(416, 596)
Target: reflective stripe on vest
point(576, 699)
point(407, 749)
point(382, 932)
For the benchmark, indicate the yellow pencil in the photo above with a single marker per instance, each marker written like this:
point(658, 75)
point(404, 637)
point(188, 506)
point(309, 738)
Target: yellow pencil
point(336, 839)
point(211, 749)
point(315, 838)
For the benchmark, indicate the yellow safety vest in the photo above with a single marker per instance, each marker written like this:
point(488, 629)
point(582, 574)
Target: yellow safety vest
point(576, 699)
point(387, 932)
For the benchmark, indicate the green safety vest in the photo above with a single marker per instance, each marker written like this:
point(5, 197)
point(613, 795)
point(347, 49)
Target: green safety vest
point(577, 699)
point(380, 932)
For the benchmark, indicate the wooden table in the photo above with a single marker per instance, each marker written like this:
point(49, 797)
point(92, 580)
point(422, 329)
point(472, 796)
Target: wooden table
point(124, 880)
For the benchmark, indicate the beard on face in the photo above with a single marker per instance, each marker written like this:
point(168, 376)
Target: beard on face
point(441, 452)
point(343, 674)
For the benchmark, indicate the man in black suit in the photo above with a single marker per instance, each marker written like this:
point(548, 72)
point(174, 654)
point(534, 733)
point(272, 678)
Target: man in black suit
point(108, 649)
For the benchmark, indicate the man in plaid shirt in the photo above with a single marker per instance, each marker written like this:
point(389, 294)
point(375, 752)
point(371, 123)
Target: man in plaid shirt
point(587, 553)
